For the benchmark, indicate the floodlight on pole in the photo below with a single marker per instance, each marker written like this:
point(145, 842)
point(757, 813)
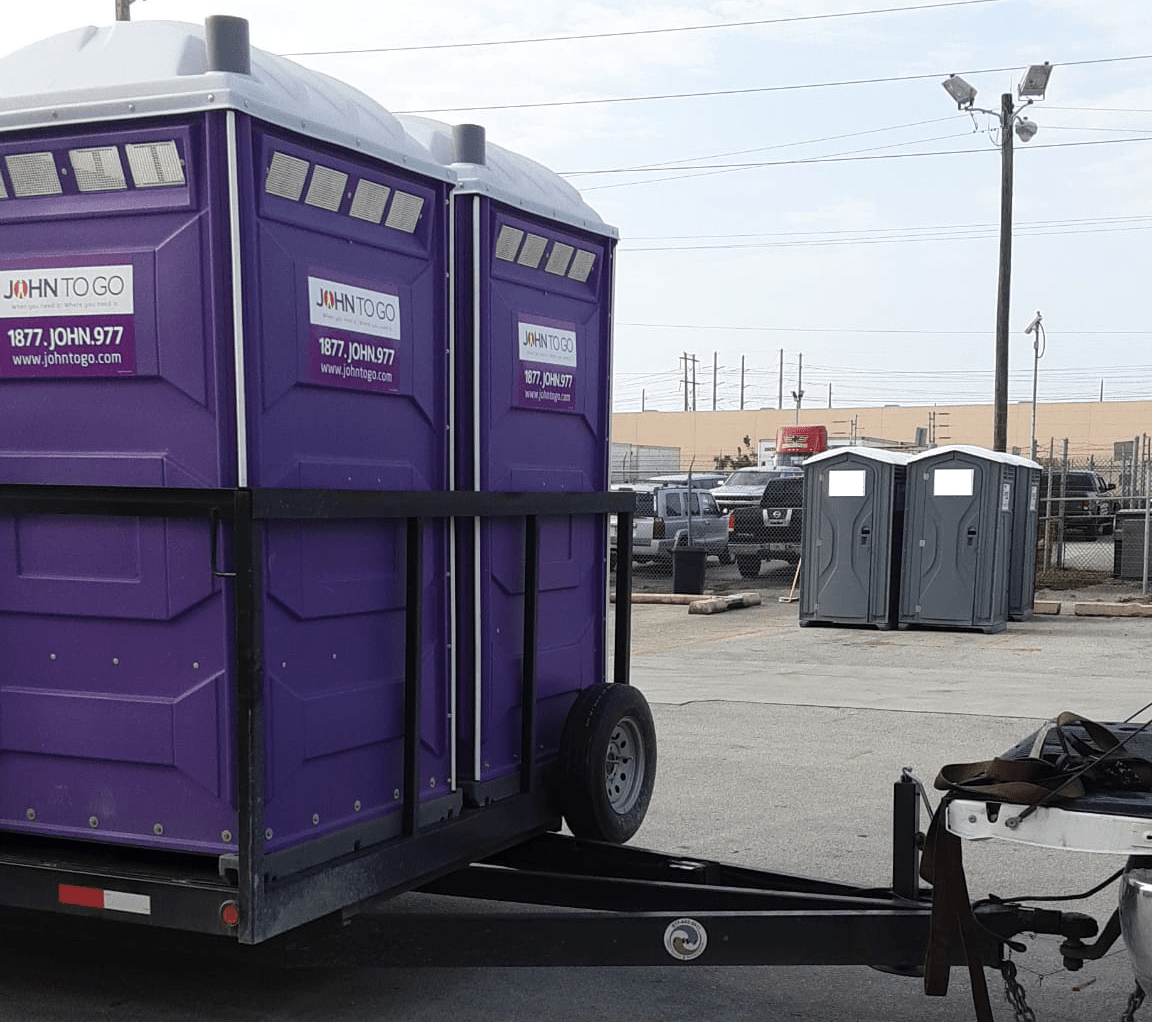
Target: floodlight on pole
point(960, 91)
point(1035, 81)
point(1011, 120)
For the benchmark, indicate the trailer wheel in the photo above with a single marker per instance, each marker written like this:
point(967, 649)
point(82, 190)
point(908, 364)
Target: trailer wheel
point(607, 763)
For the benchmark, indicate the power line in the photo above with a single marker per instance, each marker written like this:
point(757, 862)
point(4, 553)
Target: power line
point(881, 240)
point(895, 230)
point(532, 40)
point(759, 89)
point(865, 330)
point(853, 158)
point(728, 168)
point(658, 169)
point(672, 164)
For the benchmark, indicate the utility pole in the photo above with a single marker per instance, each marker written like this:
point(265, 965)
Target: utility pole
point(741, 383)
point(829, 395)
point(123, 12)
point(798, 393)
point(780, 399)
point(693, 383)
point(685, 360)
point(1004, 288)
point(1032, 87)
point(714, 367)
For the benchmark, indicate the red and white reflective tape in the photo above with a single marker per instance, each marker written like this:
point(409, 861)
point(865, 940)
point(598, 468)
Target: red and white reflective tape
point(110, 901)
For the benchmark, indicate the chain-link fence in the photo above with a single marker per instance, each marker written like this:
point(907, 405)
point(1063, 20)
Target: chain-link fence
point(1093, 515)
point(1092, 524)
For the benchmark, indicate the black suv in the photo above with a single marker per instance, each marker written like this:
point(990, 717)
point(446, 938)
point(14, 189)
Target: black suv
point(771, 529)
point(1081, 499)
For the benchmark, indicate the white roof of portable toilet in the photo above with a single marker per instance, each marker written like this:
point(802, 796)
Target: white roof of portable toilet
point(136, 69)
point(869, 453)
point(509, 177)
point(980, 452)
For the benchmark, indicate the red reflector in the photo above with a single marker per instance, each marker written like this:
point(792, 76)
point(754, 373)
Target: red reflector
point(88, 897)
point(230, 913)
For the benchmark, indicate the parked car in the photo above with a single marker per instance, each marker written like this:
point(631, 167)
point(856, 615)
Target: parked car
point(670, 516)
point(746, 485)
point(771, 529)
point(1082, 499)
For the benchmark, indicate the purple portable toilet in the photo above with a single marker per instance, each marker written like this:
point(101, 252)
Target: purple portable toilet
point(532, 286)
point(220, 272)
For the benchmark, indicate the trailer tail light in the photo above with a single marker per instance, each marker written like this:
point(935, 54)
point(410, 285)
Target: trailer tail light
point(230, 914)
point(107, 901)
point(657, 528)
point(732, 522)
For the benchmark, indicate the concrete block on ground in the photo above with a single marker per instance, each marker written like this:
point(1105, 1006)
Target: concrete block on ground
point(1112, 609)
point(1046, 607)
point(719, 604)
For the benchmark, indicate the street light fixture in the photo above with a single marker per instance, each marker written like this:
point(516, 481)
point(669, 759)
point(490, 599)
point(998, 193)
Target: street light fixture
point(1032, 87)
point(1039, 346)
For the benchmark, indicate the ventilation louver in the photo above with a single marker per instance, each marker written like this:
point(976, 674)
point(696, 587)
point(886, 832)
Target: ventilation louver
point(98, 170)
point(582, 265)
point(405, 212)
point(155, 164)
point(326, 189)
point(558, 259)
point(33, 174)
point(369, 201)
point(508, 243)
point(532, 251)
point(286, 176)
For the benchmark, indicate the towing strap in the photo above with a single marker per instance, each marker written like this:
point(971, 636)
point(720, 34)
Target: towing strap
point(1090, 758)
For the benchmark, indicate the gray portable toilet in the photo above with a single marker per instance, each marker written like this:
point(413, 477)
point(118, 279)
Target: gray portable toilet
point(1022, 554)
point(853, 525)
point(957, 538)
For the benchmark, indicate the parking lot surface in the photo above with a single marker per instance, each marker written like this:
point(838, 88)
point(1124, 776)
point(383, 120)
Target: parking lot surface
point(778, 748)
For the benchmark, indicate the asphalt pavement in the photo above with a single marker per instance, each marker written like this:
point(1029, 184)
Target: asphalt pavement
point(778, 749)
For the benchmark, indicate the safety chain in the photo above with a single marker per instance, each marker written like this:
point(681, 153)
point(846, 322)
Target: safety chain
point(1014, 993)
point(1022, 1012)
point(1135, 999)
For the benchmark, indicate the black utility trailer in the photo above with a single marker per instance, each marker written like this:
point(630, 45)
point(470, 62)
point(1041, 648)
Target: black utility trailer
point(621, 905)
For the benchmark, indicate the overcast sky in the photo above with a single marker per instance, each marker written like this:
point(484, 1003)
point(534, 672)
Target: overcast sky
point(823, 234)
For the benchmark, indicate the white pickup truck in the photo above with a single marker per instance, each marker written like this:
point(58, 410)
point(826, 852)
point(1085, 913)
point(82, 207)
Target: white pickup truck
point(667, 517)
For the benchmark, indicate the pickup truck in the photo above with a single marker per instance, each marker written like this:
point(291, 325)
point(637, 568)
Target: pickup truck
point(770, 529)
point(670, 516)
point(745, 486)
point(1082, 500)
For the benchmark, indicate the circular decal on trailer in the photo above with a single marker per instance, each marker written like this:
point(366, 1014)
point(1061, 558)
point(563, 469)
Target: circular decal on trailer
point(685, 939)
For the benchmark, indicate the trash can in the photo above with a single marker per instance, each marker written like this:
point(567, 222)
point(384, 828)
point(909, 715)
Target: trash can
point(1022, 551)
point(688, 569)
point(957, 537)
point(1128, 562)
point(851, 544)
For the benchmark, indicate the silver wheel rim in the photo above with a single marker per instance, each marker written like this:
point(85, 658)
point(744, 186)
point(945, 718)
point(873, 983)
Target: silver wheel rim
point(624, 766)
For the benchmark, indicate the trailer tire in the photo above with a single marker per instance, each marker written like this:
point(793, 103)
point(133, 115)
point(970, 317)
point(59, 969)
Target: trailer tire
point(607, 763)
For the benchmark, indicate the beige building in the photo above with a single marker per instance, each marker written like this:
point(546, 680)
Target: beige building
point(1091, 427)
